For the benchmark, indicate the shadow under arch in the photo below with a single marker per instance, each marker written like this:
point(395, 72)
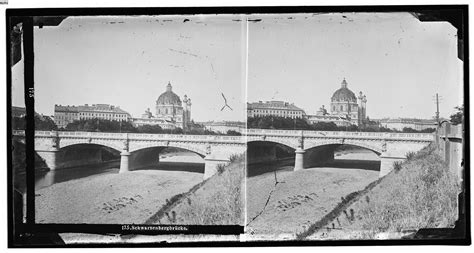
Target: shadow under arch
point(344, 156)
point(268, 156)
point(83, 154)
point(168, 158)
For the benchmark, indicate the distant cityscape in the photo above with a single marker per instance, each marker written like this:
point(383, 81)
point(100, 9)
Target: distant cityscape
point(345, 109)
point(172, 112)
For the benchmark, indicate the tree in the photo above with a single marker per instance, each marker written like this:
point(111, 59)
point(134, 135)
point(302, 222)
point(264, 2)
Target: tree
point(152, 129)
point(44, 123)
point(457, 118)
point(233, 133)
point(19, 123)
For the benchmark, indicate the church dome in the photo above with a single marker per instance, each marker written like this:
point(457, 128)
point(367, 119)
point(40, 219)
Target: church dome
point(344, 94)
point(168, 97)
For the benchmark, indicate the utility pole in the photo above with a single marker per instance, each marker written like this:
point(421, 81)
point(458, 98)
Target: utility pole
point(437, 109)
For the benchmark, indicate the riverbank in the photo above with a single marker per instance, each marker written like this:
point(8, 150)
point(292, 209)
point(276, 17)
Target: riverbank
point(420, 193)
point(283, 203)
point(130, 197)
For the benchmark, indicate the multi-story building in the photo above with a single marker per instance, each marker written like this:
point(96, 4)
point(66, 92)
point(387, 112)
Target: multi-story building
point(18, 111)
point(274, 108)
point(65, 114)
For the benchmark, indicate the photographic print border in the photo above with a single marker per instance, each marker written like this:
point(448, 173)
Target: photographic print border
point(37, 235)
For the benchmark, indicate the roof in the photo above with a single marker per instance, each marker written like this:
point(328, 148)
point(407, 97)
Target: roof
point(90, 108)
point(343, 94)
point(280, 105)
point(168, 97)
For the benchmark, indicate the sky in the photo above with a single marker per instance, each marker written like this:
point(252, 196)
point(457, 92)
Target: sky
point(128, 61)
point(398, 62)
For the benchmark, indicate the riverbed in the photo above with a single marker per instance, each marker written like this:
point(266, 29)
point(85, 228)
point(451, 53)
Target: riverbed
point(283, 202)
point(102, 195)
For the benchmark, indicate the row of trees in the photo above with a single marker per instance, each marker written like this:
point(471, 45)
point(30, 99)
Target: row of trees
point(45, 123)
point(271, 122)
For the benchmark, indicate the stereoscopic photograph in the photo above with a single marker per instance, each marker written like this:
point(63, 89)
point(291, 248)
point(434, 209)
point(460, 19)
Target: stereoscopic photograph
point(243, 126)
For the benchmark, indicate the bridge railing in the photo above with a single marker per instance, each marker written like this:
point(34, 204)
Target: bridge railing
point(134, 136)
point(341, 134)
point(185, 137)
point(249, 132)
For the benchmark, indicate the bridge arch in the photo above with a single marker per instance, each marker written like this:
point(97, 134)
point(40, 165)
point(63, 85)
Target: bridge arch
point(375, 148)
point(289, 142)
point(195, 149)
point(159, 148)
point(259, 151)
point(116, 145)
point(342, 155)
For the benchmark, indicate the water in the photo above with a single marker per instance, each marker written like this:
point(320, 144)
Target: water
point(353, 159)
point(45, 179)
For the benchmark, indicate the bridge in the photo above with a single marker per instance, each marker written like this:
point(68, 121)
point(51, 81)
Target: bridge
point(311, 146)
point(138, 150)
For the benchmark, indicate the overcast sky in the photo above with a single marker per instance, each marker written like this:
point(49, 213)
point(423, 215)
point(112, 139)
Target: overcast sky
point(128, 61)
point(397, 61)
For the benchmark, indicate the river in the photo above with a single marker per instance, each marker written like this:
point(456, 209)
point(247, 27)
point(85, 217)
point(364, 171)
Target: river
point(170, 162)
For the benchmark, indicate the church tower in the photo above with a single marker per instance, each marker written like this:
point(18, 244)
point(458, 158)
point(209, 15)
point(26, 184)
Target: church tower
point(186, 111)
point(362, 108)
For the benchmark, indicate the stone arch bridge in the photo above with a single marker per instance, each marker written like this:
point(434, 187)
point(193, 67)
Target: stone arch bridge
point(390, 147)
point(217, 149)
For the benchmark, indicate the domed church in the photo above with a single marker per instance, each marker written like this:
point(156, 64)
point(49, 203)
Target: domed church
point(170, 108)
point(345, 108)
point(344, 104)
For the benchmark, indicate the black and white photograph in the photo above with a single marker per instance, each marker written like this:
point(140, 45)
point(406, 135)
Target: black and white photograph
point(346, 127)
point(238, 126)
point(133, 118)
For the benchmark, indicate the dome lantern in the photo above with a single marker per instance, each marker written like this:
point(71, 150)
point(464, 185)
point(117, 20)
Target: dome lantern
point(344, 83)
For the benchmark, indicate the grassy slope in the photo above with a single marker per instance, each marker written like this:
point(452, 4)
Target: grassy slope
point(216, 201)
point(421, 194)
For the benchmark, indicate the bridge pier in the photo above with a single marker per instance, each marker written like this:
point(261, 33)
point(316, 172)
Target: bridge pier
point(124, 161)
point(211, 164)
point(299, 159)
point(387, 161)
point(50, 157)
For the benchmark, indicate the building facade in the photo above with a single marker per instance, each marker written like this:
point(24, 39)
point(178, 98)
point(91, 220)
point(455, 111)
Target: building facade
point(274, 108)
point(65, 114)
point(345, 109)
point(170, 111)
